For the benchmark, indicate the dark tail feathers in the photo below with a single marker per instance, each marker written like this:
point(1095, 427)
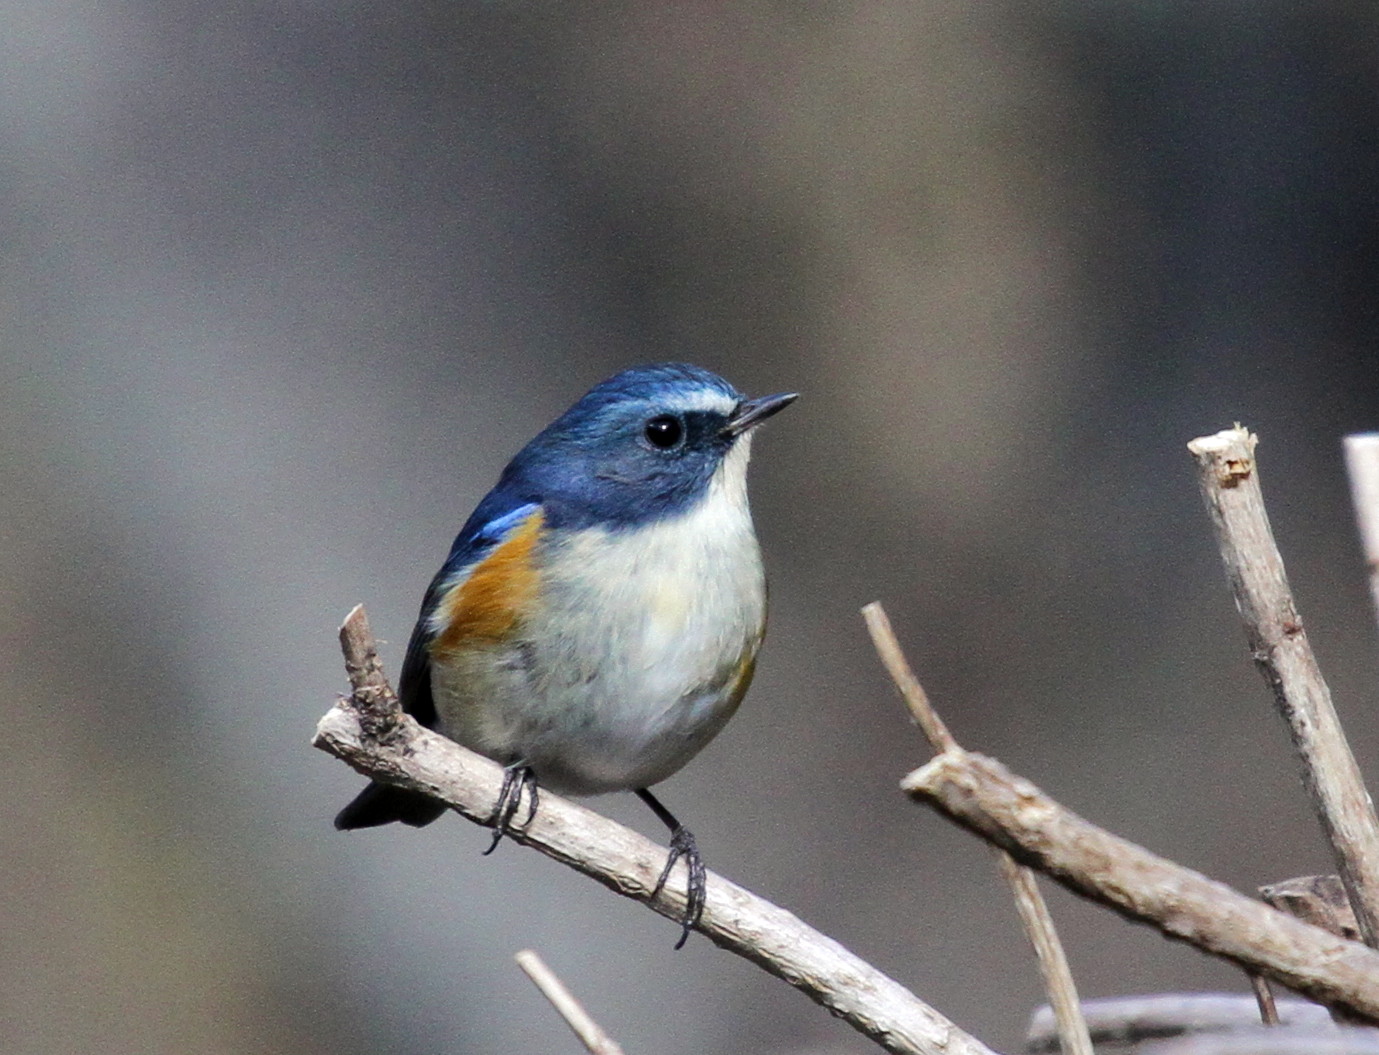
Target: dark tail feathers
point(382, 804)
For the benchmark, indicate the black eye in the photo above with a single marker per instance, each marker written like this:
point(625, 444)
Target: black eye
point(664, 431)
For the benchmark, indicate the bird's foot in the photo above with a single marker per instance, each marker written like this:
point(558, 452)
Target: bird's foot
point(518, 779)
point(682, 845)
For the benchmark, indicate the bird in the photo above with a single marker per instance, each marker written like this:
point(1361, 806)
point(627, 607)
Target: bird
point(599, 615)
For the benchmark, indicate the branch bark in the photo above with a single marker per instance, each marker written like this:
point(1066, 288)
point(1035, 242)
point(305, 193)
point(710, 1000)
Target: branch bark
point(1228, 475)
point(1029, 902)
point(368, 731)
point(1073, 1036)
point(983, 796)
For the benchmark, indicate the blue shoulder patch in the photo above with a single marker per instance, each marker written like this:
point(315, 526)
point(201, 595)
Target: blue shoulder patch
point(497, 529)
point(495, 518)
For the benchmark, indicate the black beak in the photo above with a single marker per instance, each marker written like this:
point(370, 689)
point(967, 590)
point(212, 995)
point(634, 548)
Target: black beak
point(752, 412)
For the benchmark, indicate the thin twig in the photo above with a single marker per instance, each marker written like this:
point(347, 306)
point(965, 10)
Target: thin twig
point(1362, 466)
point(589, 1032)
point(1228, 474)
point(1029, 902)
point(628, 863)
point(983, 796)
point(1264, 997)
point(1048, 950)
point(893, 659)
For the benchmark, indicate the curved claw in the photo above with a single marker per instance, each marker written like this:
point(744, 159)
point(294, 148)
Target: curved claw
point(682, 845)
point(518, 778)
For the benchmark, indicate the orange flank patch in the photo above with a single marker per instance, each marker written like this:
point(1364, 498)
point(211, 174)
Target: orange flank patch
point(487, 605)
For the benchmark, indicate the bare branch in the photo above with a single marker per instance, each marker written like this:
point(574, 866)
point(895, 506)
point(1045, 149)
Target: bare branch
point(1127, 1021)
point(1048, 950)
point(1264, 997)
point(1362, 466)
point(1029, 903)
point(590, 1034)
point(983, 796)
point(893, 659)
point(1229, 478)
point(411, 757)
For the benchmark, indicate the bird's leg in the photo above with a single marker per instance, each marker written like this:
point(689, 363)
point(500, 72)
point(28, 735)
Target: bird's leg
point(681, 845)
point(518, 778)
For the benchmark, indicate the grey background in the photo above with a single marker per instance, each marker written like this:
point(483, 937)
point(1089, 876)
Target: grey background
point(282, 286)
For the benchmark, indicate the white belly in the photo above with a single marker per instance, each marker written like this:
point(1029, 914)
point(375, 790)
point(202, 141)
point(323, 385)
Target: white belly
point(638, 653)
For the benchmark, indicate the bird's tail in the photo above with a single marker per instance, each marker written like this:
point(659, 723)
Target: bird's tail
point(382, 804)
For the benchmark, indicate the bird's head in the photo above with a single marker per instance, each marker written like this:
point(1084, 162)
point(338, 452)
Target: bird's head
point(643, 445)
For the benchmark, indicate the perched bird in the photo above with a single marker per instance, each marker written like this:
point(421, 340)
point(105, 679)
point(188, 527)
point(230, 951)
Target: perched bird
point(598, 618)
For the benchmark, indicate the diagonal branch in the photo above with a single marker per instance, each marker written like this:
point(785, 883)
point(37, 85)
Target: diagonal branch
point(1029, 902)
point(368, 731)
point(1013, 815)
point(1229, 478)
point(983, 796)
point(589, 1032)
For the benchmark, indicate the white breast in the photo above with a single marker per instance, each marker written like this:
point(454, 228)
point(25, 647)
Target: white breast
point(635, 658)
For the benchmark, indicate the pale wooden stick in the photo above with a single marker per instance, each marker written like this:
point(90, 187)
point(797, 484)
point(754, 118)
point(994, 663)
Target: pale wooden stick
point(1362, 466)
point(983, 796)
point(1029, 902)
point(369, 732)
point(893, 659)
point(1048, 950)
point(590, 1034)
point(1229, 478)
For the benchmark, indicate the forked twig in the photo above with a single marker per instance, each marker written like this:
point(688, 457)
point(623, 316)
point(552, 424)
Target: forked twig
point(983, 796)
point(1010, 812)
point(1029, 902)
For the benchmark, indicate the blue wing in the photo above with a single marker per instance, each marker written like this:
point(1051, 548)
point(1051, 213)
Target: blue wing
point(497, 516)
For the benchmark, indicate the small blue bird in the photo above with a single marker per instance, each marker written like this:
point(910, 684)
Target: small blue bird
point(598, 618)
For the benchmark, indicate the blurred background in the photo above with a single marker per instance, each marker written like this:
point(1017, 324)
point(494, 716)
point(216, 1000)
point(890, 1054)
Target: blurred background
point(284, 283)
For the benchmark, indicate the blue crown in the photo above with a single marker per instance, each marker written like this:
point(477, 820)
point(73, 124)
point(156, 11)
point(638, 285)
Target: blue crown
point(592, 465)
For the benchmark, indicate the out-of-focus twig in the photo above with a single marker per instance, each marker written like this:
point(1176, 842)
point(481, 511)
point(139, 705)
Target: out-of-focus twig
point(369, 731)
point(590, 1034)
point(1228, 475)
point(1124, 1022)
point(1029, 902)
point(1362, 466)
